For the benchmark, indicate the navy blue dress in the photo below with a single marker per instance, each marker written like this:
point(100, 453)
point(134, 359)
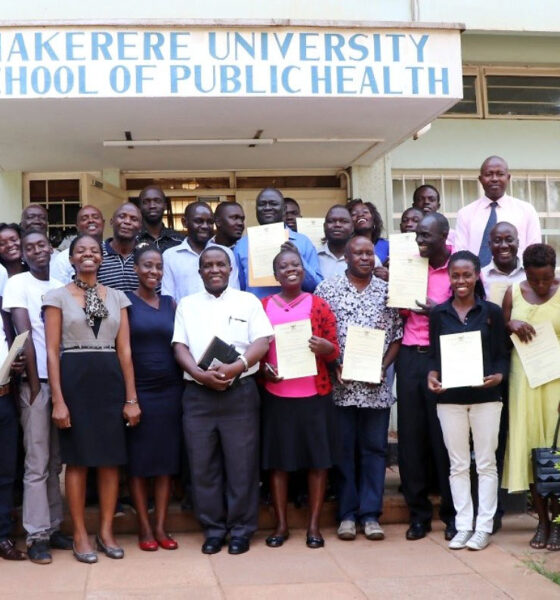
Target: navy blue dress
point(154, 445)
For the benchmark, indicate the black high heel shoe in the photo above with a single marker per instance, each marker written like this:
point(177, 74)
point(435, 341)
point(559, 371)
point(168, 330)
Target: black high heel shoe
point(111, 552)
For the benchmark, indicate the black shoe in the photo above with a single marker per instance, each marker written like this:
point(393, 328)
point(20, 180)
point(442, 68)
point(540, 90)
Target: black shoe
point(450, 530)
point(39, 553)
point(212, 545)
point(238, 545)
point(417, 531)
point(275, 541)
point(312, 541)
point(59, 541)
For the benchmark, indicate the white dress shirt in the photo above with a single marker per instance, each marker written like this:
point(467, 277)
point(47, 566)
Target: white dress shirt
point(235, 317)
point(180, 270)
point(491, 274)
point(472, 219)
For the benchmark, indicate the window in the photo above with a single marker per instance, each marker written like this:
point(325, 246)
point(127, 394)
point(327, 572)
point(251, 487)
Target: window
point(61, 198)
point(542, 190)
point(509, 93)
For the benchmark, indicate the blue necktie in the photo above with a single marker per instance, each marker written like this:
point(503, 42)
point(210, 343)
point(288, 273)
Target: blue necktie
point(485, 254)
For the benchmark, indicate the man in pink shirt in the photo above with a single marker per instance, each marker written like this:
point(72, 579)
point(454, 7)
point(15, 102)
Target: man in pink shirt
point(423, 458)
point(475, 221)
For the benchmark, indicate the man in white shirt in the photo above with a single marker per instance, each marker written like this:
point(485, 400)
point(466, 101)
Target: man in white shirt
point(180, 263)
point(88, 220)
point(338, 228)
point(221, 412)
point(42, 502)
point(475, 220)
point(505, 268)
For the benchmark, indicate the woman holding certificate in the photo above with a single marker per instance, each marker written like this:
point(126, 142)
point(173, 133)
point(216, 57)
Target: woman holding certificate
point(533, 409)
point(469, 361)
point(297, 411)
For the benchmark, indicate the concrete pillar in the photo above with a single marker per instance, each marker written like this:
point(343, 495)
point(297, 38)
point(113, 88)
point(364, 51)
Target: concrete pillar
point(11, 196)
point(373, 183)
point(112, 176)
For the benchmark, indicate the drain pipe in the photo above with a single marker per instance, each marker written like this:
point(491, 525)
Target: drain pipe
point(344, 173)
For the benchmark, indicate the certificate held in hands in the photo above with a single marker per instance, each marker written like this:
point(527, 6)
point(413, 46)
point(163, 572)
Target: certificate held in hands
point(541, 356)
point(461, 360)
point(15, 350)
point(295, 359)
point(363, 354)
point(313, 229)
point(408, 281)
point(264, 242)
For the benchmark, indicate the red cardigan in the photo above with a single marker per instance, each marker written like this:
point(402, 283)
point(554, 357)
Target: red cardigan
point(323, 324)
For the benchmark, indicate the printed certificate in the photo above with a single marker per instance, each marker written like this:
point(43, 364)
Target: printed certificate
point(16, 348)
point(363, 354)
point(313, 229)
point(541, 356)
point(264, 242)
point(295, 359)
point(461, 359)
point(408, 281)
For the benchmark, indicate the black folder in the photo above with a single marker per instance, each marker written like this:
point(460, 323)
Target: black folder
point(218, 351)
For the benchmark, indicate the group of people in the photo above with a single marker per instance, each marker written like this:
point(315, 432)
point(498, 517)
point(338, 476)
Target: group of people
point(115, 373)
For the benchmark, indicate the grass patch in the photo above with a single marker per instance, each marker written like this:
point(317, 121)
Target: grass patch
point(540, 568)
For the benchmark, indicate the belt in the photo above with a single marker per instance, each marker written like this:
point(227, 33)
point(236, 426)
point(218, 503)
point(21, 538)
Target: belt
point(105, 348)
point(4, 389)
point(419, 349)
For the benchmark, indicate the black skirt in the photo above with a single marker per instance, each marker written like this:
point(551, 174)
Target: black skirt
point(298, 433)
point(93, 389)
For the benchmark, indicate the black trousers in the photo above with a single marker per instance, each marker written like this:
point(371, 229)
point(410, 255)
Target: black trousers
point(422, 451)
point(8, 461)
point(222, 438)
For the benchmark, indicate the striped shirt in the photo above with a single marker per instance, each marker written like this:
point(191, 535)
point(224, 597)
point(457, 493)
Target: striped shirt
point(115, 271)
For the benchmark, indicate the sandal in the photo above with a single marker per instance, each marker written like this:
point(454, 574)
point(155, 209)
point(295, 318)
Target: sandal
point(539, 540)
point(553, 543)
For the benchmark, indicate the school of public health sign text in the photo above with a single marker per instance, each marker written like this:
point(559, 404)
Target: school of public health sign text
point(108, 62)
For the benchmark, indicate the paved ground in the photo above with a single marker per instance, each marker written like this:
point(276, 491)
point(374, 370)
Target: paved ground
point(393, 568)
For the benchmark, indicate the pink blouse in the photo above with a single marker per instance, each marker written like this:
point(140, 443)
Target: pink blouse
point(297, 310)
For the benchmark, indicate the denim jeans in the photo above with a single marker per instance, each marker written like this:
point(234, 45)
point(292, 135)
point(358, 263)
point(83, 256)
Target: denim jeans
point(363, 437)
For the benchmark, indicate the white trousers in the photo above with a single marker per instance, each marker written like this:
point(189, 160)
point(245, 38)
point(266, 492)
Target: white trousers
point(484, 421)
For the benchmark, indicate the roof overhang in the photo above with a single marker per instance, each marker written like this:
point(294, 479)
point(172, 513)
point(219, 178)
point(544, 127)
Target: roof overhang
point(195, 97)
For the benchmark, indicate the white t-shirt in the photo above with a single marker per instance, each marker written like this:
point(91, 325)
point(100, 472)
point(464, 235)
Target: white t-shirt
point(3, 279)
point(25, 291)
point(61, 268)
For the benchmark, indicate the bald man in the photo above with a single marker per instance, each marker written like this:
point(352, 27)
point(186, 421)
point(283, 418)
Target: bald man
point(475, 221)
point(89, 220)
point(117, 268)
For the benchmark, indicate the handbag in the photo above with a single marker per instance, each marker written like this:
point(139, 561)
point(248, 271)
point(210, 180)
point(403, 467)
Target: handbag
point(546, 463)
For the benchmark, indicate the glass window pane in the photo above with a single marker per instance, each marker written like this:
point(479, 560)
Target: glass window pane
point(471, 190)
point(538, 195)
point(520, 189)
point(71, 213)
point(523, 95)
point(55, 214)
point(554, 195)
point(37, 191)
point(451, 195)
point(466, 106)
point(64, 190)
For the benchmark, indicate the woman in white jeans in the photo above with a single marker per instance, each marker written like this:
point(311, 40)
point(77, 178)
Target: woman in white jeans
point(465, 409)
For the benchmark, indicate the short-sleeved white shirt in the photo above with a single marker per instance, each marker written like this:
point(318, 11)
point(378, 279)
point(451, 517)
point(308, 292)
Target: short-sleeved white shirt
point(25, 291)
point(61, 268)
point(235, 317)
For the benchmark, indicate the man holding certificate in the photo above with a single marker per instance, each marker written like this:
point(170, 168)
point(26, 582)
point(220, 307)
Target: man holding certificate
point(468, 363)
point(422, 452)
point(270, 208)
point(363, 400)
point(221, 404)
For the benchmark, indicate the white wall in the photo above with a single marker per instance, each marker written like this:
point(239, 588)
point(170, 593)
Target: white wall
point(11, 194)
point(499, 15)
